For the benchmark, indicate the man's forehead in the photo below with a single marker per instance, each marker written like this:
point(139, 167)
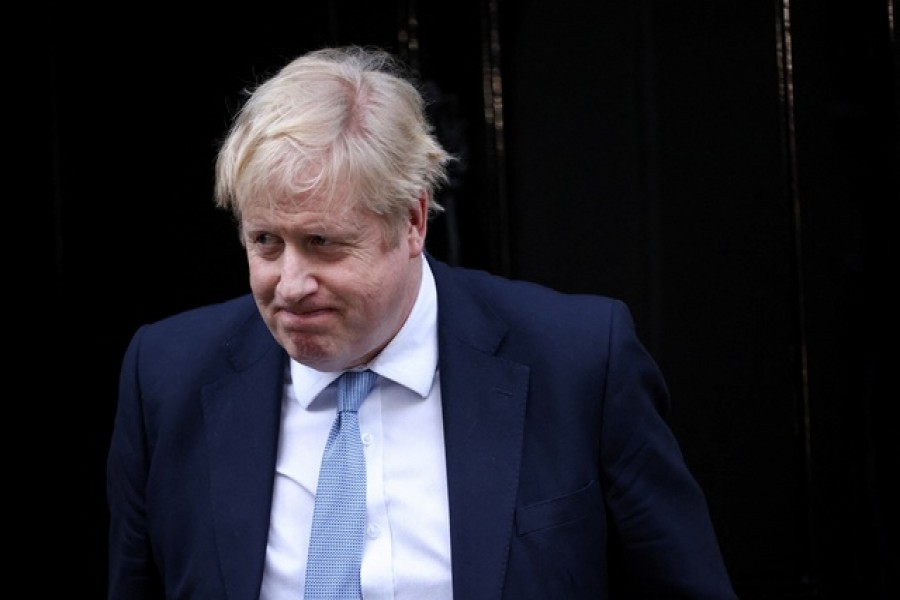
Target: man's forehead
point(334, 208)
point(310, 216)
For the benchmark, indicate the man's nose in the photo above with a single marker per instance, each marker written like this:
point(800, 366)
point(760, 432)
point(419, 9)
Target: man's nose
point(298, 276)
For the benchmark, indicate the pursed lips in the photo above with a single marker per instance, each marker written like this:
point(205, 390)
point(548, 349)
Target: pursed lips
point(298, 318)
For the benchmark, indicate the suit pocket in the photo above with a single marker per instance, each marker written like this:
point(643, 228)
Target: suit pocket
point(558, 511)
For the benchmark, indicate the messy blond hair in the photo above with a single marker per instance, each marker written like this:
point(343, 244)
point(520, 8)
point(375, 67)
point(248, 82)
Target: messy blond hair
point(333, 123)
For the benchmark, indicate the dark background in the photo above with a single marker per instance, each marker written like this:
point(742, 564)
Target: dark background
point(727, 168)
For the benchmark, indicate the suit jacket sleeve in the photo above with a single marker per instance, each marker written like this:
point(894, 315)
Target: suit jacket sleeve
point(657, 510)
point(607, 506)
point(132, 569)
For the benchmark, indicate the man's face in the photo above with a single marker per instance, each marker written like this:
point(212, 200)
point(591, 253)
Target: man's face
point(332, 291)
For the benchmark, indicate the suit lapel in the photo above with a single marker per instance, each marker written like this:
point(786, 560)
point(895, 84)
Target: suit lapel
point(242, 412)
point(484, 413)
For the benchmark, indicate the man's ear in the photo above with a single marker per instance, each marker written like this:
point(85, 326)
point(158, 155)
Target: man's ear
point(418, 224)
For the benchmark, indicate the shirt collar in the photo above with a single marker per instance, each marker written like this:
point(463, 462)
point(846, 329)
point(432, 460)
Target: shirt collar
point(409, 359)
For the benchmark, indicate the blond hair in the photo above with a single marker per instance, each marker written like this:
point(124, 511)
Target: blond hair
point(333, 123)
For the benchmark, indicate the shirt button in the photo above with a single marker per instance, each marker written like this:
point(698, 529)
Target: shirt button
point(367, 439)
point(373, 531)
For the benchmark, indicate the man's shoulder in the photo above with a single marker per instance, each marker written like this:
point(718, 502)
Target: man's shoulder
point(232, 309)
point(213, 322)
point(525, 305)
point(496, 288)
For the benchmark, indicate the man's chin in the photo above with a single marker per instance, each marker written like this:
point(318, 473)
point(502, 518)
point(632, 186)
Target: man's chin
point(303, 351)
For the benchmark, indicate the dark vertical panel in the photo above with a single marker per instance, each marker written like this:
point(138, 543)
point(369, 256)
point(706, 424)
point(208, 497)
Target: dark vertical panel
point(448, 53)
point(848, 167)
point(573, 134)
point(728, 271)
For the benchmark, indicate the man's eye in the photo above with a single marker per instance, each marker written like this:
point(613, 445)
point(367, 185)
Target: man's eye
point(265, 244)
point(319, 240)
point(264, 239)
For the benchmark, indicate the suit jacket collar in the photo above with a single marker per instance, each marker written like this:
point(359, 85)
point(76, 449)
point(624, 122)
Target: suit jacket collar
point(484, 397)
point(242, 412)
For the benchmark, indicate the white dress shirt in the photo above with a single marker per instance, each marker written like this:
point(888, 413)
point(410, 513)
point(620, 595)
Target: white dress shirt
point(407, 546)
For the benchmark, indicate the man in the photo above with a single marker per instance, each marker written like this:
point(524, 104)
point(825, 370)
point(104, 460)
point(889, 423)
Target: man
point(514, 440)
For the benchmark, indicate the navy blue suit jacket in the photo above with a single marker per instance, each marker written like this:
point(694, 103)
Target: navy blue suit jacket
point(564, 480)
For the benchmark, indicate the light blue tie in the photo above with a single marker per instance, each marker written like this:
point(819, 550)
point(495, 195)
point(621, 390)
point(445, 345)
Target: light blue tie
point(339, 516)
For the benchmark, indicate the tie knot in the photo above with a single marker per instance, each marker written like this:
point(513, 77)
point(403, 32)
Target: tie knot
point(353, 387)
